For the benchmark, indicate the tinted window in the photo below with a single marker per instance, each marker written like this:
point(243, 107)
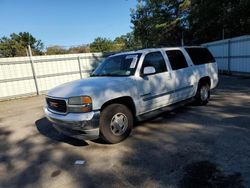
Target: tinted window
point(156, 60)
point(176, 59)
point(200, 55)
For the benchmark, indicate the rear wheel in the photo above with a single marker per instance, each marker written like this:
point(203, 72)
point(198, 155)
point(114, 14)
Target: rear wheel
point(203, 94)
point(116, 123)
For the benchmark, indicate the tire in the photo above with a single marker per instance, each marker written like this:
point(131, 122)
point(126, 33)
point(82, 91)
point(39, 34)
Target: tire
point(203, 94)
point(116, 123)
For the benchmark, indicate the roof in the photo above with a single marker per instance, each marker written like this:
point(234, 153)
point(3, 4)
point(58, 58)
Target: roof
point(155, 49)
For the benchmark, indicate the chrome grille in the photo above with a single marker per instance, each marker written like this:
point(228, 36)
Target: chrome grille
point(58, 105)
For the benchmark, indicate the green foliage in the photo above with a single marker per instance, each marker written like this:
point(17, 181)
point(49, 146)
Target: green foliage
point(158, 22)
point(101, 45)
point(128, 41)
point(155, 23)
point(16, 45)
point(79, 49)
point(56, 50)
point(164, 22)
point(121, 43)
point(208, 19)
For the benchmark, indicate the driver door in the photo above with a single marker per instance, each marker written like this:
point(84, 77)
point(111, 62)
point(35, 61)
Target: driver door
point(155, 90)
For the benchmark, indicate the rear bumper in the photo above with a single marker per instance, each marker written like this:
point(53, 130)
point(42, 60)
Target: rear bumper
point(77, 125)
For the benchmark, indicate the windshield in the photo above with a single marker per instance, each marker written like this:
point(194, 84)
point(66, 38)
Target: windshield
point(120, 65)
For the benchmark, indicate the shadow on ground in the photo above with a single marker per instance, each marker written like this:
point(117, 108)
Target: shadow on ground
point(189, 147)
point(46, 128)
point(205, 174)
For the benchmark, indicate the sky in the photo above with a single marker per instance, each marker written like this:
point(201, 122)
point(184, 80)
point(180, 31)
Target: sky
point(66, 22)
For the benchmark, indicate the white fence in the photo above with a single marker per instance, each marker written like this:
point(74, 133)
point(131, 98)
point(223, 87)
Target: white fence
point(232, 55)
point(20, 76)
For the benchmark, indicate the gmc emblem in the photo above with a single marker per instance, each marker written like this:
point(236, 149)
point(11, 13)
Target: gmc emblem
point(53, 104)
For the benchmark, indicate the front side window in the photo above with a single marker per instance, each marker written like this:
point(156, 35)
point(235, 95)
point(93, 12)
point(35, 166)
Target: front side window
point(176, 59)
point(120, 65)
point(156, 60)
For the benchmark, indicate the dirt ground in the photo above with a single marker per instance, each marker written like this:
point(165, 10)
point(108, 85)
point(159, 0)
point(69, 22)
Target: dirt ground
point(192, 146)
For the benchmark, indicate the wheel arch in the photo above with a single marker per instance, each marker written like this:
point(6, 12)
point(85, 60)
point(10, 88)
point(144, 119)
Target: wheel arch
point(126, 100)
point(204, 80)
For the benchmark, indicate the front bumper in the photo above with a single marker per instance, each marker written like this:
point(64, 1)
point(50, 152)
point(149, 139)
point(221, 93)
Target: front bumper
point(77, 125)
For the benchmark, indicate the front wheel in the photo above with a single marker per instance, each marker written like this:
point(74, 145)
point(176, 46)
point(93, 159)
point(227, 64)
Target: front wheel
point(116, 123)
point(203, 94)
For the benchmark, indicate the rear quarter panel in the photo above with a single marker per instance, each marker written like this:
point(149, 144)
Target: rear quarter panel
point(210, 70)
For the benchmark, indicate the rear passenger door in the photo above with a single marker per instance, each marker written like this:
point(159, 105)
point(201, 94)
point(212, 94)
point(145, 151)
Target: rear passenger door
point(182, 74)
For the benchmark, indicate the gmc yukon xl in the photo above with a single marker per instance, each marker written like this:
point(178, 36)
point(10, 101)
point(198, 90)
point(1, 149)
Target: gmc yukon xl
point(131, 86)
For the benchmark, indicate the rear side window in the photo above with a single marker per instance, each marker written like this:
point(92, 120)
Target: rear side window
point(176, 59)
point(200, 56)
point(156, 60)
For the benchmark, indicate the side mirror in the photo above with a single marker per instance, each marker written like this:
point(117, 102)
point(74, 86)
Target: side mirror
point(149, 70)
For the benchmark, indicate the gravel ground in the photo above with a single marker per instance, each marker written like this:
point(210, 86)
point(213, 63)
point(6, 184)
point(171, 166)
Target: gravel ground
point(192, 146)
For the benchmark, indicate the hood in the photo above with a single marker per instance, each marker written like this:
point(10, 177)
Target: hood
point(87, 86)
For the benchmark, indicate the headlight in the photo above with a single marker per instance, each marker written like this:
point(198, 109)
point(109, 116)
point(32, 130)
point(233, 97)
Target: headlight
point(80, 100)
point(80, 104)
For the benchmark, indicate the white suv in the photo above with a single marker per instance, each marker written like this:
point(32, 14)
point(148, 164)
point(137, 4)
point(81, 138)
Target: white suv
point(131, 86)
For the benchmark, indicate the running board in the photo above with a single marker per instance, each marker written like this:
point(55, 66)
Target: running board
point(159, 111)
